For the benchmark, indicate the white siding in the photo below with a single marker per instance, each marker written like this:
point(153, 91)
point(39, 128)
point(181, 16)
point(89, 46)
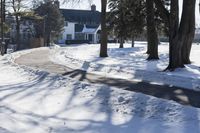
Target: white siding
point(69, 29)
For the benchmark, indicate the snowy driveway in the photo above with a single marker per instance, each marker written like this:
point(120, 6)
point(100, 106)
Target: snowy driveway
point(40, 59)
point(33, 101)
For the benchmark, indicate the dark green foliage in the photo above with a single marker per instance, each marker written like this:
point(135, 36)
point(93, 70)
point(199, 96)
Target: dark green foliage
point(135, 17)
point(162, 27)
point(52, 22)
point(127, 18)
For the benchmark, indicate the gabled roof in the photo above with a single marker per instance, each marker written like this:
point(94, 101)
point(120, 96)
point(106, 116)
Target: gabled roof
point(89, 30)
point(85, 28)
point(82, 16)
point(79, 27)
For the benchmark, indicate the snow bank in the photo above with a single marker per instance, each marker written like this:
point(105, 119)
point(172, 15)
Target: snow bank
point(130, 63)
point(40, 102)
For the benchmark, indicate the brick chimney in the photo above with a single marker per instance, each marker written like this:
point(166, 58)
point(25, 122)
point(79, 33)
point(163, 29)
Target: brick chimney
point(93, 8)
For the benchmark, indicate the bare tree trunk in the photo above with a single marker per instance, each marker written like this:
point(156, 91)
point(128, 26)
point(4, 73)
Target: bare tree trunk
point(133, 41)
point(180, 37)
point(17, 32)
point(152, 36)
point(173, 31)
point(103, 47)
point(180, 43)
point(121, 42)
point(189, 9)
point(2, 45)
point(48, 39)
point(4, 17)
point(6, 47)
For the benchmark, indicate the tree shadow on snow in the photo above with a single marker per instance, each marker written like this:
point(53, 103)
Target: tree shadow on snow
point(100, 111)
point(180, 95)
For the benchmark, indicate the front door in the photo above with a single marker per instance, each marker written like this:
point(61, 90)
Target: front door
point(90, 37)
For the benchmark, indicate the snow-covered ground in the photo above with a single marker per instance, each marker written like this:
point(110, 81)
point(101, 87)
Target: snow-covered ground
point(33, 101)
point(131, 63)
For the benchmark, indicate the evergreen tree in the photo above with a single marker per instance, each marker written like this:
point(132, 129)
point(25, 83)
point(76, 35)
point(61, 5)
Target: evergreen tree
point(127, 18)
point(53, 21)
point(135, 18)
point(117, 15)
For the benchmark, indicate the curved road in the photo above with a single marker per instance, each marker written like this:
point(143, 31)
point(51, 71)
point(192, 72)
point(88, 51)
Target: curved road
point(40, 60)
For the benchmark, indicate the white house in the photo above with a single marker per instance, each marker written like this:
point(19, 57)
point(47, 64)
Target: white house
point(81, 26)
point(68, 33)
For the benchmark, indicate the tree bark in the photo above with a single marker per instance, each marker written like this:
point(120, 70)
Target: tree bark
point(17, 33)
point(133, 41)
point(189, 15)
point(103, 47)
point(6, 48)
point(152, 36)
point(121, 42)
point(2, 45)
point(48, 40)
point(181, 38)
point(173, 31)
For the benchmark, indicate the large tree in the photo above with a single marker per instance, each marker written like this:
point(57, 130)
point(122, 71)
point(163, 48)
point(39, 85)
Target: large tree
point(180, 34)
point(104, 32)
point(152, 36)
point(2, 26)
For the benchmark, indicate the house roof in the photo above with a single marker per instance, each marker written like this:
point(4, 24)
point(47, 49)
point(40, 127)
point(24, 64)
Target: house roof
point(82, 16)
point(89, 30)
point(79, 27)
point(85, 28)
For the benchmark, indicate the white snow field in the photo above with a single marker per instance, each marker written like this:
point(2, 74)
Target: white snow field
point(34, 101)
point(131, 63)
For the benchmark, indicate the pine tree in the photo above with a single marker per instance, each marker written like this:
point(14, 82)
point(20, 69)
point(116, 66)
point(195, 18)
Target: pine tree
point(135, 18)
point(53, 21)
point(127, 18)
point(117, 16)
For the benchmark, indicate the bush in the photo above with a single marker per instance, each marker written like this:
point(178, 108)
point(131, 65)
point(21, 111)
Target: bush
point(76, 41)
